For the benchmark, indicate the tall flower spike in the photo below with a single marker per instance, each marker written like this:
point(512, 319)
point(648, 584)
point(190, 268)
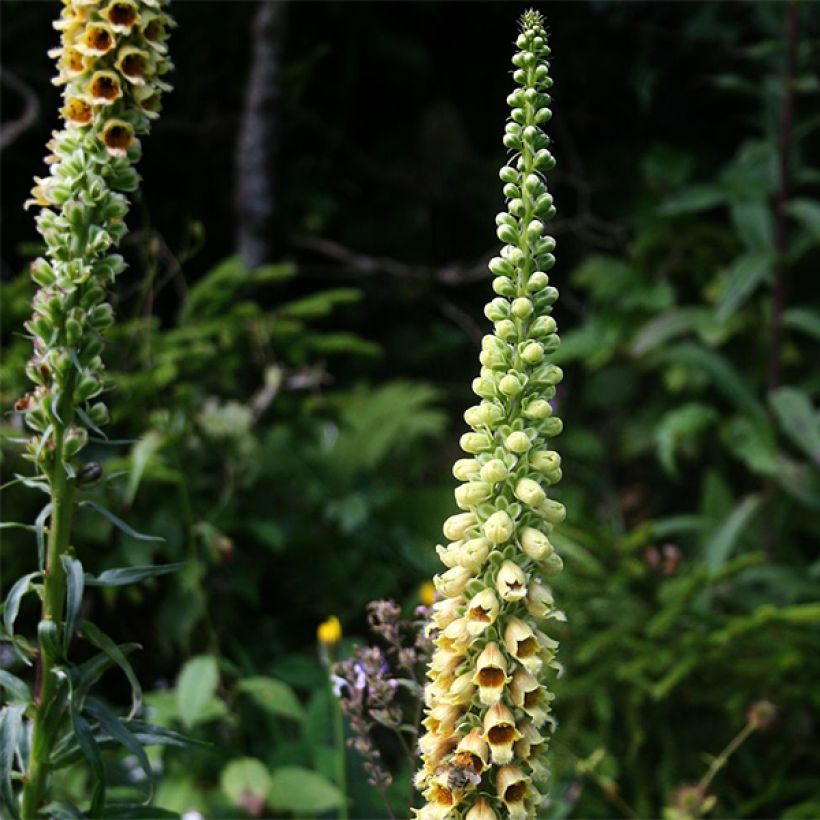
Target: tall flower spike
point(500, 546)
point(110, 64)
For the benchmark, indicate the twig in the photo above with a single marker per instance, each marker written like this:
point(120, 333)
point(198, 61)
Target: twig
point(11, 131)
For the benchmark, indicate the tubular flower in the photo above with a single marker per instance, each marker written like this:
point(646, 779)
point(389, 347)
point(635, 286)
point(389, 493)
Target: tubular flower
point(487, 712)
point(101, 57)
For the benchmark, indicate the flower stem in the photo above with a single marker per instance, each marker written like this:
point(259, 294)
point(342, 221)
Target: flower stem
point(723, 758)
point(43, 734)
point(341, 752)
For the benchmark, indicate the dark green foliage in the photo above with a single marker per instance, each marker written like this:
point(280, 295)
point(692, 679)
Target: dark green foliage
point(292, 423)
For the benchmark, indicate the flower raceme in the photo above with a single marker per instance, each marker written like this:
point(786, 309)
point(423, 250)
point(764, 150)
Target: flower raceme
point(487, 711)
point(110, 63)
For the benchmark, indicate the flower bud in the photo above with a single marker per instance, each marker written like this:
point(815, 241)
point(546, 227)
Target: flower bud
point(473, 553)
point(481, 810)
point(522, 308)
point(553, 511)
point(552, 564)
point(510, 385)
point(494, 471)
point(465, 468)
point(518, 442)
point(545, 461)
point(537, 410)
point(74, 441)
point(529, 492)
point(499, 527)
point(506, 330)
point(453, 581)
point(457, 526)
point(533, 353)
point(482, 611)
point(535, 544)
point(471, 494)
point(540, 602)
point(475, 442)
point(483, 415)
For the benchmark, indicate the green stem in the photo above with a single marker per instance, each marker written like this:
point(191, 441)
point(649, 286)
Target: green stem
point(723, 758)
point(341, 753)
point(54, 591)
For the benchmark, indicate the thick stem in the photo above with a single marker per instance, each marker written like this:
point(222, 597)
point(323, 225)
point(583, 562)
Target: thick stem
point(43, 734)
point(782, 199)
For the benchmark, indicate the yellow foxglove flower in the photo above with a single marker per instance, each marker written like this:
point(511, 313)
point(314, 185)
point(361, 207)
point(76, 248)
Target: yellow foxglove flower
point(492, 655)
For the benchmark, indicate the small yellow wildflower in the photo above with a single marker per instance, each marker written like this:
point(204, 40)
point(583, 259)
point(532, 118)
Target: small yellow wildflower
point(329, 632)
point(427, 593)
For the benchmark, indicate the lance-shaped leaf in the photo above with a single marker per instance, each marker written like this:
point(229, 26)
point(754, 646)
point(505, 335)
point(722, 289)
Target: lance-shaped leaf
point(74, 597)
point(102, 641)
point(122, 576)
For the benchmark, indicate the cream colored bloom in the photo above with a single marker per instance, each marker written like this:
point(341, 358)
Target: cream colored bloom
point(482, 611)
point(491, 674)
point(511, 582)
point(521, 643)
point(500, 732)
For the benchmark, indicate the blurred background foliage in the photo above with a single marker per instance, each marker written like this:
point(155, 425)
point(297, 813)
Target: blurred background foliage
point(297, 333)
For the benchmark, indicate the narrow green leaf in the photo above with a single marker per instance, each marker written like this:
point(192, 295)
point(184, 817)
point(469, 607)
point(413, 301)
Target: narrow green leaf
point(11, 732)
point(807, 213)
point(119, 523)
point(130, 575)
point(40, 528)
point(196, 686)
point(721, 373)
point(16, 688)
point(273, 696)
point(798, 420)
point(48, 635)
point(102, 641)
point(120, 733)
point(693, 199)
point(16, 593)
point(74, 597)
point(665, 326)
point(754, 223)
point(141, 454)
point(91, 753)
point(719, 546)
point(89, 672)
point(680, 425)
point(131, 811)
point(60, 810)
point(742, 278)
point(804, 319)
point(17, 525)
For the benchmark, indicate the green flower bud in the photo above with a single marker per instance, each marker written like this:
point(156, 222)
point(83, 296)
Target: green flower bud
point(552, 511)
point(518, 442)
point(465, 468)
point(98, 413)
point(529, 492)
point(504, 287)
point(507, 233)
point(522, 308)
point(533, 353)
point(508, 174)
point(457, 526)
point(543, 326)
point(497, 310)
point(471, 494)
point(499, 527)
point(510, 385)
point(552, 427)
point(74, 441)
point(535, 544)
point(506, 330)
point(501, 267)
point(552, 564)
point(494, 471)
point(473, 553)
point(537, 409)
point(483, 415)
point(545, 461)
point(475, 442)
